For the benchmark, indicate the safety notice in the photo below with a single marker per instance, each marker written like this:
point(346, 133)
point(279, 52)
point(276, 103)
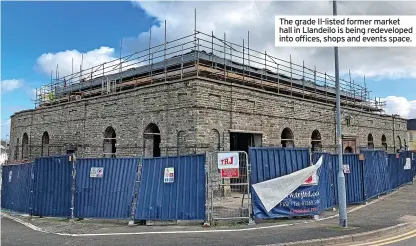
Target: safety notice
point(96, 172)
point(169, 175)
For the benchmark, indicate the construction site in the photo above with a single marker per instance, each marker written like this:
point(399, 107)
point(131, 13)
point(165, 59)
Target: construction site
point(195, 94)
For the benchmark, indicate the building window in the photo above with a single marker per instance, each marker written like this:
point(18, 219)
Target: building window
point(181, 144)
point(370, 143)
point(348, 150)
point(151, 138)
point(348, 120)
point(316, 141)
point(109, 148)
point(45, 144)
point(399, 144)
point(384, 142)
point(287, 138)
point(25, 146)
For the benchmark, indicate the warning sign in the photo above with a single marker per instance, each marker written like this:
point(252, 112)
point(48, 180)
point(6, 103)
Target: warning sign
point(346, 168)
point(169, 175)
point(96, 172)
point(228, 160)
point(230, 173)
point(408, 164)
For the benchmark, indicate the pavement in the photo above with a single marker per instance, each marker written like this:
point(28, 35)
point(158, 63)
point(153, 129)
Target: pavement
point(395, 211)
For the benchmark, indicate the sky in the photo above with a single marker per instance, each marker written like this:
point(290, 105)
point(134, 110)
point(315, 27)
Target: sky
point(36, 36)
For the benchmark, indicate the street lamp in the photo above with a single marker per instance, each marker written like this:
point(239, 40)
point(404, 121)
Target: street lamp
point(342, 198)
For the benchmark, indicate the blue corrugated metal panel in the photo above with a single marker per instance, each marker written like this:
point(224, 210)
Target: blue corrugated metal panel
point(326, 181)
point(52, 186)
point(376, 173)
point(408, 174)
point(107, 197)
point(353, 180)
point(270, 163)
point(16, 194)
point(184, 199)
point(394, 168)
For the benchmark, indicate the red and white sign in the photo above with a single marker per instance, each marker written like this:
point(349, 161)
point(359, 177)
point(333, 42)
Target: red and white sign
point(312, 180)
point(230, 173)
point(228, 160)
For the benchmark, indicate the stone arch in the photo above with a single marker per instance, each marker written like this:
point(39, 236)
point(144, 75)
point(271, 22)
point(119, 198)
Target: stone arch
point(215, 140)
point(109, 143)
point(348, 150)
point(151, 139)
point(316, 141)
point(45, 144)
point(384, 142)
point(25, 146)
point(399, 144)
point(370, 141)
point(287, 138)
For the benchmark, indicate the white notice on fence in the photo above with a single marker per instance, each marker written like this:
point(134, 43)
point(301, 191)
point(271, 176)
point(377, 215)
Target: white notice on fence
point(96, 172)
point(408, 164)
point(228, 160)
point(10, 176)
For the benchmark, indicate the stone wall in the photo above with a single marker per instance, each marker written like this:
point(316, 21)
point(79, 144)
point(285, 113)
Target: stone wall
point(193, 116)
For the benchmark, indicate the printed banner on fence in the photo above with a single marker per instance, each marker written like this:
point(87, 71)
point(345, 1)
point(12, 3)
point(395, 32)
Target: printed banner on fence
point(274, 191)
point(169, 175)
point(228, 160)
point(408, 164)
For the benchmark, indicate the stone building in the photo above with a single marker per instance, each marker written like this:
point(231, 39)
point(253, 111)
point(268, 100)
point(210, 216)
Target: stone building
point(196, 99)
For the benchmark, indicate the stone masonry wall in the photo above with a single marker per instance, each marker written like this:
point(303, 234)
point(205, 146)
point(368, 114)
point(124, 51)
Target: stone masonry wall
point(193, 116)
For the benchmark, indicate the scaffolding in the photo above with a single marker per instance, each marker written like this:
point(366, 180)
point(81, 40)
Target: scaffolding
point(205, 55)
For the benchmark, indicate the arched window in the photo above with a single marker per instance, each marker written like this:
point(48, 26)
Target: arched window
point(316, 141)
point(151, 138)
point(25, 146)
point(45, 144)
point(181, 144)
point(348, 150)
point(109, 147)
point(399, 144)
point(287, 138)
point(384, 142)
point(370, 143)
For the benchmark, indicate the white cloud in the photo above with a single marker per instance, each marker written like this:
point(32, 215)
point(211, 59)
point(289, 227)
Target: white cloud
point(10, 85)
point(236, 18)
point(401, 106)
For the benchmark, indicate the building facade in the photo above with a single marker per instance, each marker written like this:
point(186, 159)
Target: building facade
point(200, 101)
point(411, 133)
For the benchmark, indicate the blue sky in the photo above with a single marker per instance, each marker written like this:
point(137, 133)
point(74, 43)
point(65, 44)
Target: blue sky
point(31, 29)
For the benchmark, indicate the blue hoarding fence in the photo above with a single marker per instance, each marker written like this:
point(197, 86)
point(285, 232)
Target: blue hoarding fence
point(16, 187)
point(172, 188)
point(367, 175)
point(104, 187)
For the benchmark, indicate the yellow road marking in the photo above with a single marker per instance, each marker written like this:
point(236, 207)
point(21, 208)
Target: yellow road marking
point(391, 239)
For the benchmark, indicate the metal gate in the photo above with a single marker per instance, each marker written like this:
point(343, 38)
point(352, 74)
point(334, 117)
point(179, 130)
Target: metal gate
point(228, 177)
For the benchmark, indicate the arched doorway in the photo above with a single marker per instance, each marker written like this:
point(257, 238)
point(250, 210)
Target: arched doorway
point(316, 141)
point(45, 144)
point(109, 145)
point(287, 138)
point(370, 141)
point(399, 144)
point(384, 142)
point(348, 150)
point(25, 146)
point(151, 138)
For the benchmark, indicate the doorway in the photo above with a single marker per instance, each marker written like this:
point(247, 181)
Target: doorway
point(242, 141)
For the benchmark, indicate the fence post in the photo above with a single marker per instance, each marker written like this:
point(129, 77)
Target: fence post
point(136, 192)
point(207, 189)
point(251, 222)
point(73, 187)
